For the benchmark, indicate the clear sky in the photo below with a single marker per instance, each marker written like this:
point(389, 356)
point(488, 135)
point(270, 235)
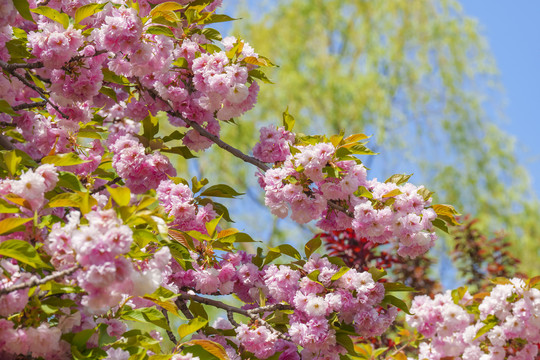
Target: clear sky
point(512, 29)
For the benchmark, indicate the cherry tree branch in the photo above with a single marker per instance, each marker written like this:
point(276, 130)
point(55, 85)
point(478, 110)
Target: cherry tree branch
point(253, 314)
point(43, 94)
point(35, 281)
point(30, 105)
point(239, 154)
point(169, 332)
point(222, 144)
point(103, 187)
point(39, 64)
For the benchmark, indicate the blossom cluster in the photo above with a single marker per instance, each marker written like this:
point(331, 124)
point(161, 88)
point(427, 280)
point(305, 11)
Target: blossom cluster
point(178, 202)
point(32, 185)
point(140, 171)
point(99, 247)
point(352, 298)
point(506, 325)
point(385, 212)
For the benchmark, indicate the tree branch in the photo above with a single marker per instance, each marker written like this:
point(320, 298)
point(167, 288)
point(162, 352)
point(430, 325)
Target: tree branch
point(253, 314)
point(169, 332)
point(34, 281)
point(222, 144)
point(103, 187)
point(239, 154)
point(29, 106)
point(43, 94)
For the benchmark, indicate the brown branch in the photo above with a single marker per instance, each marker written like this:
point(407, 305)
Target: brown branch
point(252, 313)
point(30, 105)
point(33, 87)
point(5, 143)
point(169, 332)
point(183, 308)
point(103, 187)
point(34, 281)
point(222, 144)
point(37, 65)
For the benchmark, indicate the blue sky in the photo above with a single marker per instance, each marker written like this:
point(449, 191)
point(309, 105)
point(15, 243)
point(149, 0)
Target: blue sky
point(512, 29)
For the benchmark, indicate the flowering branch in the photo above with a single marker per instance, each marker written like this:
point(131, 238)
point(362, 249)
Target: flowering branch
point(216, 140)
point(30, 105)
point(4, 65)
point(35, 281)
point(253, 314)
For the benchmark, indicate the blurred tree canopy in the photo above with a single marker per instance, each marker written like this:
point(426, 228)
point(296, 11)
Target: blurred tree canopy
point(418, 75)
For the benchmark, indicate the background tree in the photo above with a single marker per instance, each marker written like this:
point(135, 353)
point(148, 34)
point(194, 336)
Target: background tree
point(416, 73)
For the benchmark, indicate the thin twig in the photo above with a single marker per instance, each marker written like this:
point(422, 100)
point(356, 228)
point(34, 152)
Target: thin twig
point(33, 87)
point(35, 281)
point(39, 64)
point(222, 144)
point(103, 187)
point(169, 332)
point(30, 105)
point(252, 313)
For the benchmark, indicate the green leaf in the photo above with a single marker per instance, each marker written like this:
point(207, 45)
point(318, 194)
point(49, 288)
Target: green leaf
point(121, 195)
point(287, 250)
point(312, 245)
point(24, 9)
point(7, 208)
point(81, 338)
point(258, 74)
point(147, 315)
point(23, 252)
point(175, 135)
point(397, 302)
point(65, 200)
point(221, 190)
point(67, 159)
point(392, 193)
point(438, 223)
point(238, 237)
point(340, 273)
point(314, 275)
point(180, 150)
point(69, 180)
point(9, 225)
point(491, 321)
point(193, 325)
point(6, 108)
point(87, 10)
point(160, 30)
point(397, 286)
point(288, 120)
point(105, 90)
point(212, 225)
point(211, 34)
point(377, 274)
point(17, 50)
point(362, 191)
point(52, 14)
point(398, 179)
point(12, 161)
point(425, 193)
point(216, 18)
point(197, 185)
point(458, 294)
point(346, 341)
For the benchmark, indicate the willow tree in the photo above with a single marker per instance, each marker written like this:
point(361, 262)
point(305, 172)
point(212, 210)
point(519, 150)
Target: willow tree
point(418, 74)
